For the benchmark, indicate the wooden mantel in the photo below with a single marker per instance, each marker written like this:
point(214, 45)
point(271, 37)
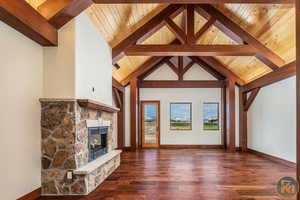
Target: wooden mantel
point(88, 103)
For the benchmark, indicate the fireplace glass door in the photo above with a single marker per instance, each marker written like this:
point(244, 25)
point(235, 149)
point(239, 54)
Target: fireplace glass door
point(97, 142)
point(150, 123)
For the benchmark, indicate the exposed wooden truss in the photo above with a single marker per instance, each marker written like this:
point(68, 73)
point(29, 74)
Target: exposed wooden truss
point(145, 31)
point(236, 33)
point(247, 44)
point(21, 16)
point(25, 19)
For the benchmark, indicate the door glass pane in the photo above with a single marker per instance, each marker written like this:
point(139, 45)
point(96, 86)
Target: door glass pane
point(150, 124)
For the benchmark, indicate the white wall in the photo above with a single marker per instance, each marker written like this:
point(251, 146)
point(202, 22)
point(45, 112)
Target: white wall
point(197, 97)
point(59, 65)
point(93, 62)
point(82, 61)
point(272, 120)
point(21, 86)
point(166, 96)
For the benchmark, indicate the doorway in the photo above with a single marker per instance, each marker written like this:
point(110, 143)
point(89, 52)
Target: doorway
point(150, 124)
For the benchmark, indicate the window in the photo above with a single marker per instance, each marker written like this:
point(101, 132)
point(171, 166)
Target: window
point(181, 116)
point(211, 116)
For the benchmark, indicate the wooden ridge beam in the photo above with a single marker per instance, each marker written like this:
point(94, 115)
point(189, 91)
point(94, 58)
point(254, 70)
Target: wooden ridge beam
point(196, 1)
point(190, 50)
point(25, 19)
point(222, 70)
point(208, 68)
point(272, 77)
point(145, 31)
point(251, 98)
point(264, 54)
point(181, 84)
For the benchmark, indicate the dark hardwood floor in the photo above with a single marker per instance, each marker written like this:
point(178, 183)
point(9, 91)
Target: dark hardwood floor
point(190, 175)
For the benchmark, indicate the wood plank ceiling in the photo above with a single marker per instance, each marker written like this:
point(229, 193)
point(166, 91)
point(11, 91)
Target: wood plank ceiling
point(273, 25)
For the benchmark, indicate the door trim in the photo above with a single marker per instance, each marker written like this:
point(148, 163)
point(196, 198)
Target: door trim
point(158, 123)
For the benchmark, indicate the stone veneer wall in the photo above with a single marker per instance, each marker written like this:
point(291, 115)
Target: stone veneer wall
point(65, 147)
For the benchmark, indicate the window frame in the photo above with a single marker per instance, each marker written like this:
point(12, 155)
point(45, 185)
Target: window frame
point(191, 115)
point(219, 124)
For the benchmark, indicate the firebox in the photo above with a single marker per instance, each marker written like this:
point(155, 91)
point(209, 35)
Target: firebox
point(97, 142)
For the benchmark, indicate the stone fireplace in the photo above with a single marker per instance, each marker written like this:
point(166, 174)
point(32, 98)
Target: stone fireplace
point(78, 146)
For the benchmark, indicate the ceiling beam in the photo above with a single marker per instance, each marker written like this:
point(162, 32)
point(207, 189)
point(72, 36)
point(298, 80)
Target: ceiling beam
point(145, 31)
point(264, 54)
point(60, 12)
point(190, 50)
point(196, 1)
point(70, 11)
point(117, 85)
point(50, 7)
point(181, 84)
point(222, 70)
point(272, 77)
point(24, 18)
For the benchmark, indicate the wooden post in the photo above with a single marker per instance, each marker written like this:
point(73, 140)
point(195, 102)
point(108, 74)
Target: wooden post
point(243, 119)
point(298, 90)
point(121, 122)
point(230, 115)
point(133, 112)
point(223, 115)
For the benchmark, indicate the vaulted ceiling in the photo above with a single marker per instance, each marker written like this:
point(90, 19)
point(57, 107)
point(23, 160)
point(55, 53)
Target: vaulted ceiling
point(272, 25)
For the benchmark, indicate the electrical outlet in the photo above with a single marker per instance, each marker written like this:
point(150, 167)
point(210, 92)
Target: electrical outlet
point(69, 175)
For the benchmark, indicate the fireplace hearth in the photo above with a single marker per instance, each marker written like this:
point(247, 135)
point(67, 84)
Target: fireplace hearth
point(97, 142)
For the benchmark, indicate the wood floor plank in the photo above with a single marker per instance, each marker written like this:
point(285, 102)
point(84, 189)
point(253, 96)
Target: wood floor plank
point(190, 174)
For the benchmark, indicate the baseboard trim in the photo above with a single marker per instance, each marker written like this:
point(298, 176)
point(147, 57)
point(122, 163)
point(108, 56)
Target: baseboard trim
point(272, 158)
point(171, 146)
point(35, 194)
